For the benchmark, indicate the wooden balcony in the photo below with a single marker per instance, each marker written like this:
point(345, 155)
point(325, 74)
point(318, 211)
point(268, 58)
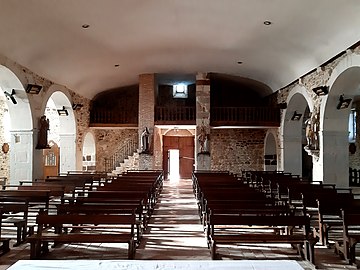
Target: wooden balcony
point(104, 118)
point(175, 115)
point(245, 116)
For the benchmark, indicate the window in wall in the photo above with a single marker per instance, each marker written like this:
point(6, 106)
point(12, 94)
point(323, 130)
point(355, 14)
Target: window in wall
point(180, 91)
point(352, 126)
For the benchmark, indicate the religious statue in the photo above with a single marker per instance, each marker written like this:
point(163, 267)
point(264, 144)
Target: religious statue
point(312, 131)
point(145, 145)
point(203, 140)
point(43, 133)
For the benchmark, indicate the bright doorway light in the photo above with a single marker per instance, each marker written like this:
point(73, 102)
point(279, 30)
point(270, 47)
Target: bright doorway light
point(174, 173)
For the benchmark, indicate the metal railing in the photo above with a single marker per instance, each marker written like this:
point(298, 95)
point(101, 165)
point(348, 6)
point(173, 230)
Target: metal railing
point(121, 154)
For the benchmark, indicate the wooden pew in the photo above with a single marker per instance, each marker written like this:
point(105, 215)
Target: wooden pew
point(329, 215)
point(79, 222)
point(5, 242)
point(351, 235)
point(15, 214)
point(141, 210)
point(34, 197)
point(219, 226)
point(88, 209)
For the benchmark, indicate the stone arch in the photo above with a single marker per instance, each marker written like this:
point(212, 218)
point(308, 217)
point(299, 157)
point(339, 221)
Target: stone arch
point(21, 130)
point(298, 100)
point(333, 165)
point(67, 127)
point(89, 150)
point(270, 152)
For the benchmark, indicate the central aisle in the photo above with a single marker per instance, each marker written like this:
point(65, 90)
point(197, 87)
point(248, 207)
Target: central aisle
point(174, 231)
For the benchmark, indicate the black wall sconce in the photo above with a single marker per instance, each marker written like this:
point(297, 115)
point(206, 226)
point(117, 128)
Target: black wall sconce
point(63, 112)
point(11, 96)
point(33, 89)
point(77, 106)
point(282, 105)
point(296, 116)
point(321, 90)
point(343, 102)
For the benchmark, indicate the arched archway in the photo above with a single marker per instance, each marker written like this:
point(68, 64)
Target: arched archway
point(89, 152)
point(333, 165)
point(64, 127)
point(270, 152)
point(292, 130)
point(22, 161)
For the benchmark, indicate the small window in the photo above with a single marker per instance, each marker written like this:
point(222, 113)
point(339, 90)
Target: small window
point(352, 126)
point(180, 91)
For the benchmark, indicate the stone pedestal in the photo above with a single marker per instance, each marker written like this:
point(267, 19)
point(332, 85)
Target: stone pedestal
point(203, 161)
point(145, 161)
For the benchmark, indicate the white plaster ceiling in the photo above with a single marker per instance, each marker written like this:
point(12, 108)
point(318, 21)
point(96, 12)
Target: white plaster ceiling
point(174, 36)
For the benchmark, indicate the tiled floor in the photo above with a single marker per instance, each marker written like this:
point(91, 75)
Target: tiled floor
point(175, 233)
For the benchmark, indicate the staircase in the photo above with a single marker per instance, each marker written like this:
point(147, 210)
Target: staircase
point(129, 163)
point(122, 157)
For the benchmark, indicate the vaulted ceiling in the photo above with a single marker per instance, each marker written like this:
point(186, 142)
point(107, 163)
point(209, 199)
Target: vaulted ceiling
point(91, 45)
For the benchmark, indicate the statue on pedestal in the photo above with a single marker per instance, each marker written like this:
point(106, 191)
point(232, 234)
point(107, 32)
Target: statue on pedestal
point(43, 133)
point(145, 144)
point(203, 140)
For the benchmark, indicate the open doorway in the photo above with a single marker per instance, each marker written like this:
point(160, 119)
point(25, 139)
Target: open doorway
point(173, 165)
point(182, 153)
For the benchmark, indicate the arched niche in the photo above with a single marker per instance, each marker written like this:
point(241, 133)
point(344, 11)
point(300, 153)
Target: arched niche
point(89, 152)
point(65, 126)
point(21, 127)
point(333, 165)
point(270, 157)
point(292, 130)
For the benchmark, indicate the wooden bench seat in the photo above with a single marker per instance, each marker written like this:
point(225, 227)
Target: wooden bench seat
point(15, 215)
point(351, 235)
point(5, 241)
point(82, 234)
point(119, 209)
point(231, 229)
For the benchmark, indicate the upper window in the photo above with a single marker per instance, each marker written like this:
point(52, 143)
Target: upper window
point(180, 91)
point(352, 126)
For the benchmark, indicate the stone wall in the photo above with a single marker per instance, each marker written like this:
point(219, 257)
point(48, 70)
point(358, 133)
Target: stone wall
point(237, 149)
point(109, 141)
point(4, 158)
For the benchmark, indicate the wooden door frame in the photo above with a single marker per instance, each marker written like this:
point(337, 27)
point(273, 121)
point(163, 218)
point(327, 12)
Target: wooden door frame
point(165, 150)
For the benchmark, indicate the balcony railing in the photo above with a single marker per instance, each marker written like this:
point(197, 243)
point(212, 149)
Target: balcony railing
point(178, 115)
point(245, 116)
point(112, 117)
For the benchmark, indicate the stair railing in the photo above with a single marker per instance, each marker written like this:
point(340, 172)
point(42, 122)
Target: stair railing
point(121, 154)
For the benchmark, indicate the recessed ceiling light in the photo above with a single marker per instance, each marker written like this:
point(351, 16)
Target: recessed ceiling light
point(267, 22)
point(85, 26)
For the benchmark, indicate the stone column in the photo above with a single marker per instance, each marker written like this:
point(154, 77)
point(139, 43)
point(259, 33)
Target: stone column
point(202, 146)
point(26, 163)
point(146, 118)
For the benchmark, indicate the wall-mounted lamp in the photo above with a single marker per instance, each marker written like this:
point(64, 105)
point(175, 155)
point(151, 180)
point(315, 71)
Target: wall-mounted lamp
point(343, 102)
point(11, 96)
point(77, 106)
point(321, 90)
point(296, 116)
point(63, 112)
point(282, 105)
point(33, 89)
